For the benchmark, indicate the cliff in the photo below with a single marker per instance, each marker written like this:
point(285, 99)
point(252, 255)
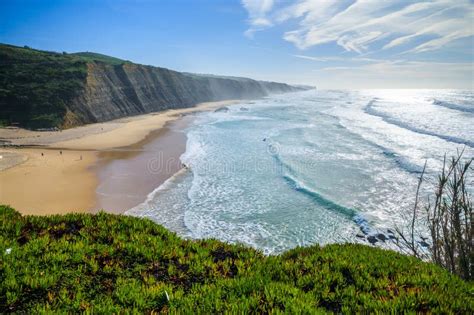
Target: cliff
point(113, 91)
point(47, 89)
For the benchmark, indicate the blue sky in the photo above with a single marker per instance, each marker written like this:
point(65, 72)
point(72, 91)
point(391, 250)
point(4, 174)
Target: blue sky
point(331, 44)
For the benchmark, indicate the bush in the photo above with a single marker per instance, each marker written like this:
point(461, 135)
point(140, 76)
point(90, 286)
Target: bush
point(111, 263)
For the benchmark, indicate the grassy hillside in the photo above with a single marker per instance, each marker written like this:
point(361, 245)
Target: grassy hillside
point(95, 57)
point(107, 263)
point(36, 85)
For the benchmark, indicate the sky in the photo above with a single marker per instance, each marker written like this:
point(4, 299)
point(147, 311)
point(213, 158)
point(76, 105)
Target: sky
point(343, 44)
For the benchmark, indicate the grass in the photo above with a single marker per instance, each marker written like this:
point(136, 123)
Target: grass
point(95, 57)
point(36, 86)
point(108, 263)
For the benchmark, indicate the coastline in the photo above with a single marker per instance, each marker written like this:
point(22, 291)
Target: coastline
point(37, 178)
point(129, 174)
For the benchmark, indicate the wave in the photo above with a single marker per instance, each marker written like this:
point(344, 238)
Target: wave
point(401, 161)
point(320, 200)
point(457, 107)
point(350, 213)
point(369, 109)
point(139, 210)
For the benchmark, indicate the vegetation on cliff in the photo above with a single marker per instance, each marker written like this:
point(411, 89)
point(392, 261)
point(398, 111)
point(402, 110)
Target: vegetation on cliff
point(95, 57)
point(35, 86)
point(107, 263)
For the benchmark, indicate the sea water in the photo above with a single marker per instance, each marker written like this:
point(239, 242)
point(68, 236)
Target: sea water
point(311, 167)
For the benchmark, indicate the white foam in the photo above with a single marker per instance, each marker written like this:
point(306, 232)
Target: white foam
point(140, 209)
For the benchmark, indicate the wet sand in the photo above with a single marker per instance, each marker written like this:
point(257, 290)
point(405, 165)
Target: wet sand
point(127, 175)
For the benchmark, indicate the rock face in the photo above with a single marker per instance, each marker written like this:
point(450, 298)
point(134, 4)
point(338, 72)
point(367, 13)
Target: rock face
point(114, 91)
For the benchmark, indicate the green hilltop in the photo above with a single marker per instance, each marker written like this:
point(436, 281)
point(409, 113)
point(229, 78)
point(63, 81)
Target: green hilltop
point(36, 85)
point(95, 57)
point(108, 263)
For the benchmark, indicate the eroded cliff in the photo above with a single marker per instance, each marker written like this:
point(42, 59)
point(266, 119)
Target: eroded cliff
point(114, 91)
point(41, 89)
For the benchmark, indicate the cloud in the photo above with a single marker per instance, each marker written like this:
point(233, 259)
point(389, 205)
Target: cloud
point(335, 58)
point(401, 73)
point(360, 25)
point(319, 59)
point(257, 10)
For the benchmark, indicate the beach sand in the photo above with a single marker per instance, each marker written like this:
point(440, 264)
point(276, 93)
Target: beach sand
point(50, 183)
point(115, 162)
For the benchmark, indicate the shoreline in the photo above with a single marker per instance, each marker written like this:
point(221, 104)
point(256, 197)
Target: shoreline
point(59, 172)
point(146, 165)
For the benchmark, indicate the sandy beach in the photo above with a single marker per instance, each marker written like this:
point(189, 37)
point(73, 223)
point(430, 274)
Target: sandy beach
point(75, 170)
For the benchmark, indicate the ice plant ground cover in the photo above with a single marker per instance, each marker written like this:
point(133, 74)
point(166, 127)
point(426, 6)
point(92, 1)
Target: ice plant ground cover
point(115, 263)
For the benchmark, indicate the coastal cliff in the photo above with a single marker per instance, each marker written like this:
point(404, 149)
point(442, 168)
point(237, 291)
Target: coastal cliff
point(46, 89)
point(114, 91)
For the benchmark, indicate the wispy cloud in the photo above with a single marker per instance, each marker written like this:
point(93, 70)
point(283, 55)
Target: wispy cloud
point(333, 58)
point(400, 73)
point(257, 10)
point(319, 59)
point(358, 25)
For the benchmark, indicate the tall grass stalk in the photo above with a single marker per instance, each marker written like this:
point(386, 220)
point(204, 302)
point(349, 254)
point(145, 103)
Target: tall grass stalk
point(448, 218)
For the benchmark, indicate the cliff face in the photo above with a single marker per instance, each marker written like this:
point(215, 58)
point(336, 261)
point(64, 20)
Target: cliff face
point(41, 89)
point(114, 91)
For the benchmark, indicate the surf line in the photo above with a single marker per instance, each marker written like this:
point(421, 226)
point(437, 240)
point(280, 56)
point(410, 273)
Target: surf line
point(370, 110)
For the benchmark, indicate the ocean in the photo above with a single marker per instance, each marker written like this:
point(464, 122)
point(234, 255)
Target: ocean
point(312, 167)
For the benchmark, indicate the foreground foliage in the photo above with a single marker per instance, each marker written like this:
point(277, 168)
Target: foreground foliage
point(449, 218)
point(107, 263)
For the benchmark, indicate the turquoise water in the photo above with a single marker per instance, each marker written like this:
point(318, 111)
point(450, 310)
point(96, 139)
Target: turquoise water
point(311, 167)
